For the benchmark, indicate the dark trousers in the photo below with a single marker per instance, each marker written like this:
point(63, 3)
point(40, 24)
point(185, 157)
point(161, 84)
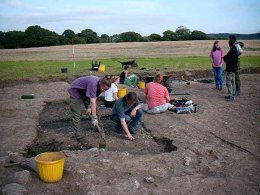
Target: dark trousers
point(109, 104)
point(230, 82)
point(134, 121)
point(76, 109)
point(237, 78)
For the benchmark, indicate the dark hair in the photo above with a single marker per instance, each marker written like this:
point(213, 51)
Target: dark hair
point(106, 81)
point(130, 97)
point(214, 48)
point(126, 67)
point(232, 37)
point(158, 78)
point(231, 43)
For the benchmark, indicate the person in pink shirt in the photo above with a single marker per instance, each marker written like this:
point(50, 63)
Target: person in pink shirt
point(157, 97)
point(216, 56)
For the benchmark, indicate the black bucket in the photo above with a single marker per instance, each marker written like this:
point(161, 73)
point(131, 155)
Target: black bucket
point(64, 70)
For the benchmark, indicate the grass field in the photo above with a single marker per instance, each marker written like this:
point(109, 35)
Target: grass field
point(12, 70)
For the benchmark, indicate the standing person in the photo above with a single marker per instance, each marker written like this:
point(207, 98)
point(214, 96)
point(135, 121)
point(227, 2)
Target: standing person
point(157, 96)
point(237, 77)
point(85, 90)
point(231, 60)
point(124, 75)
point(216, 56)
point(111, 93)
point(127, 113)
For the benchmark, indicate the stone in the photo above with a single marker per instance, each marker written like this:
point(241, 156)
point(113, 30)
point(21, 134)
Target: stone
point(149, 179)
point(187, 161)
point(3, 160)
point(14, 189)
point(105, 160)
point(125, 153)
point(216, 163)
point(81, 171)
point(14, 157)
point(93, 149)
point(102, 150)
point(22, 177)
point(137, 184)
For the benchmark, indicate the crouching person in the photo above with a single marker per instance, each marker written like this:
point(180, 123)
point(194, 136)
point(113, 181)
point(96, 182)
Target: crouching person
point(127, 114)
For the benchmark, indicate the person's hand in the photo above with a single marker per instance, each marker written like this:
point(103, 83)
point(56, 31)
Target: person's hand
point(130, 137)
point(133, 113)
point(94, 121)
point(88, 111)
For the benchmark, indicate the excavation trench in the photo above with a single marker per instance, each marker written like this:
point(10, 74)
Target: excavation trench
point(55, 133)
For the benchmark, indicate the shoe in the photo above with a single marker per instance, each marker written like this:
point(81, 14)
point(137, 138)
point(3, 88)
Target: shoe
point(227, 96)
point(78, 136)
point(237, 93)
point(172, 108)
point(230, 99)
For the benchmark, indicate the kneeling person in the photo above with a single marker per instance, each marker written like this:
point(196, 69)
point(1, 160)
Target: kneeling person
point(127, 114)
point(157, 97)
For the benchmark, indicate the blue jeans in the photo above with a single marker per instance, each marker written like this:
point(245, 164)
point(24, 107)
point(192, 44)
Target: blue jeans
point(134, 121)
point(218, 77)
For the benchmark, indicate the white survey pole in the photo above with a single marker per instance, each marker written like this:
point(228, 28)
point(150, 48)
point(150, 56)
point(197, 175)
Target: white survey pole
point(73, 56)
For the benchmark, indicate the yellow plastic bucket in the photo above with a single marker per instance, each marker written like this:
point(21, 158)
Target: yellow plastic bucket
point(101, 68)
point(141, 84)
point(50, 166)
point(121, 92)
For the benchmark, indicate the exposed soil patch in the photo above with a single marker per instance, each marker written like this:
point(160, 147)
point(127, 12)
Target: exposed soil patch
point(55, 133)
point(189, 75)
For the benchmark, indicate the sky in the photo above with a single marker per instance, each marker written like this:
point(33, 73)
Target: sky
point(142, 16)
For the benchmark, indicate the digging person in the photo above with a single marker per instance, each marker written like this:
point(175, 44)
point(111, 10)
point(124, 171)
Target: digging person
point(85, 90)
point(127, 113)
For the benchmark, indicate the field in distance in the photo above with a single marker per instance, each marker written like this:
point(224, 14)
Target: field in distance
point(124, 50)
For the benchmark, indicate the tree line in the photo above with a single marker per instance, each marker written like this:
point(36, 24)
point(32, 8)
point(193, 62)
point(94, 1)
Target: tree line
point(36, 36)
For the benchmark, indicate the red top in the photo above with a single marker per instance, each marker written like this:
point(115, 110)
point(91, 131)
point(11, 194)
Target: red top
point(155, 94)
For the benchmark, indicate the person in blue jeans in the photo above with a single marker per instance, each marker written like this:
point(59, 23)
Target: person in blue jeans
point(127, 113)
point(216, 56)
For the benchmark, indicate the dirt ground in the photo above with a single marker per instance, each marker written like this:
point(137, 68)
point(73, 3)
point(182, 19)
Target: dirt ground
point(123, 50)
point(222, 139)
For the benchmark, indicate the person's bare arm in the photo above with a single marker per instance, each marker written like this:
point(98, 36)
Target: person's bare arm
point(125, 127)
point(167, 98)
point(133, 112)
point(211, 59)
point(126, 74)
point(93, 105)
point(115, 96)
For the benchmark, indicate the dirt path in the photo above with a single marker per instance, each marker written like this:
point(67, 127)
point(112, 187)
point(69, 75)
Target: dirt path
point(222, 139)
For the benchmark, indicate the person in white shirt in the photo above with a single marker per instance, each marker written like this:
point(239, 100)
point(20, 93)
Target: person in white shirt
point(111, 93)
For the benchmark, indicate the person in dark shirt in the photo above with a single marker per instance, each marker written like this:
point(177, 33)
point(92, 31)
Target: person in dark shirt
point(123, 75)
point(231, 60)
point(127, 114)
point(240, 51)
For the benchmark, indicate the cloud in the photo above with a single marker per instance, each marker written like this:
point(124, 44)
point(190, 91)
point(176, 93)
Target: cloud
point(20, 5)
